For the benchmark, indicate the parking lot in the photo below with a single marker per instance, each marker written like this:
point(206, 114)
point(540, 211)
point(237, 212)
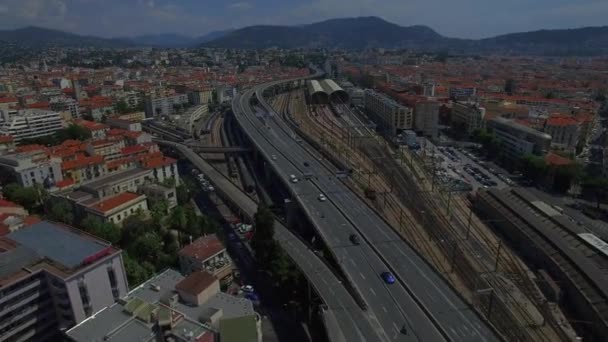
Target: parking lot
point(462, 169)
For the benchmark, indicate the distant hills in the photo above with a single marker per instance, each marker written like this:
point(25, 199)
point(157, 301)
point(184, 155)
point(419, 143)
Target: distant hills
point(37, 37)
point(172, 40)
point(372, 32)
point(346, 33)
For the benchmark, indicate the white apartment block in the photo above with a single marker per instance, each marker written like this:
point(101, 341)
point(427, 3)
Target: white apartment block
point(390, 116)
point(32, 168)
point(426, 118)
point(164, 106)
point(469, 115)
point(31, 123)
point(66, 105)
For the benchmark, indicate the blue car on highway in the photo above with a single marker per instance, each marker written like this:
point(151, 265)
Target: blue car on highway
point(388, 277)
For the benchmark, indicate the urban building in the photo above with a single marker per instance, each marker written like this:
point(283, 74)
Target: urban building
point(98, 130)
point(84, 168)
point(30, 124)
point(170, 307)
point(117, 208)
point(206, 253)
point(390, 116)
point(518, 140)
point(462, 92)
point(468, 115)
point(426, 118)
point(132, 98)
point(118, 182)
point(135, 116)
point(7, 144)
point(164, 106)
point(66, 105)
point(203, 96)
point(157, 193)
point(54, 277)
point(33, 167)
point(565, 132)
point(127, 125)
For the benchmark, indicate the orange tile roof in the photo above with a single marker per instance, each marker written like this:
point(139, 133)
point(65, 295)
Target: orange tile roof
point(30, 148)
point(91, 125)
point(30, 220)
point(64, 183)
point(153, 163)
point(203, 247)
point(8, 100)
point(6, 203)
point(557, 160)
point(5, 139)
point(133, 149)
point(115, 201)
point(81, 162)
point(562, 121)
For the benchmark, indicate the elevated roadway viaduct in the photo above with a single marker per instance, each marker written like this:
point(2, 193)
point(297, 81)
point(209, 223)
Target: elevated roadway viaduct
point(343, 317)
point(421, 299)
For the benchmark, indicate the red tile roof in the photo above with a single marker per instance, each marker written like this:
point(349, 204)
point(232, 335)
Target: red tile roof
point(30, 148)
point(39, 105)
point(30, 220)
point(133, 149)
point(113, 202)
point(196, 282)
point(557, 160)
point(5, 203)
point(203, 248)
point(153, 163)
point(64, 183)
point(5, 139)
point(562, 121)
point(81, 162)
point(91, 125)
point(8, 100)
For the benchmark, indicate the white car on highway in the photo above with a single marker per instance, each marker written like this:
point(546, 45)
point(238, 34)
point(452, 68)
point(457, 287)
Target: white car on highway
point(322, 198)
point(293, 178)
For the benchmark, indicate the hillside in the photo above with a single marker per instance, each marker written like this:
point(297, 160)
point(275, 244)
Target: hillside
point(37, 37)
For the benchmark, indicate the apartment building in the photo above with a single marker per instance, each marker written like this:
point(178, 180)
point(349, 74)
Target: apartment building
point(117, 208)
point(54, 277)
point(206, 253)
point(518, 140)
point(565, 132)
point(157, 193)
point(468, 115)
point(164, 106)
point(462, 92)
point(7, 144)
point(171, 307)
point(390, 116)
point(33, 167)
point(30, 123)
point(66, 105)
point(203, 96)
point(426, 118)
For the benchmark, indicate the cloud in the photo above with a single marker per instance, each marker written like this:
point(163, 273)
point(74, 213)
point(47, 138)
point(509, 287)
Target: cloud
point(240, 6)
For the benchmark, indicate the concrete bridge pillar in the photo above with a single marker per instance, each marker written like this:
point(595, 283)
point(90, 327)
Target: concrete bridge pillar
point(291, 213)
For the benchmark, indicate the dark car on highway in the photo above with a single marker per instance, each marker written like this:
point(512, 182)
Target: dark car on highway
point(354, 239)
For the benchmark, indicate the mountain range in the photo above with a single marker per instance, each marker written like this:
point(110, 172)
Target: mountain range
point(346, 33)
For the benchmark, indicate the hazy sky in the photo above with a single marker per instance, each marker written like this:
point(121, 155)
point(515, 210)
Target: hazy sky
point(460, 18)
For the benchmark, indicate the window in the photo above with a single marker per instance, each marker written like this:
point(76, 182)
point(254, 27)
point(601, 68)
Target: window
point(84, 297)
point(113, 282)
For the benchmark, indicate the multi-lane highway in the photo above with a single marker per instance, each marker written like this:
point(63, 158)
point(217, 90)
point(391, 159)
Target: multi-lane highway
point(344, 319)
point(420, 300)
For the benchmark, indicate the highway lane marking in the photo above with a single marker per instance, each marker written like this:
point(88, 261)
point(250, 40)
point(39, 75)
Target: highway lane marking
point(362, 276)
point(384, 308)
point(372, 291)
point(353, 262)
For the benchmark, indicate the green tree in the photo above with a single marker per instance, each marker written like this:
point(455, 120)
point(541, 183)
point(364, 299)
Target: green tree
point(30, 197)
point(148, 247)
point(60, 210)
point(184, 193)
point(73, 132)
point(122, 107)
point(263, 240)
point(132, 227)
point(104, 230)
point(564, 177)
point(534, 167)
point(137, 272)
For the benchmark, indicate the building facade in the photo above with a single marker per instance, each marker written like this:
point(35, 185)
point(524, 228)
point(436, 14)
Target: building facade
point(426, 118)
point(390, 116)
point(34, 167)
point(57, 277)
point(468, 115)
point(518, 140)
point(30, 124)
point(206, 253)
point(564, 131)
point(117, 208)
point(164, 106)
